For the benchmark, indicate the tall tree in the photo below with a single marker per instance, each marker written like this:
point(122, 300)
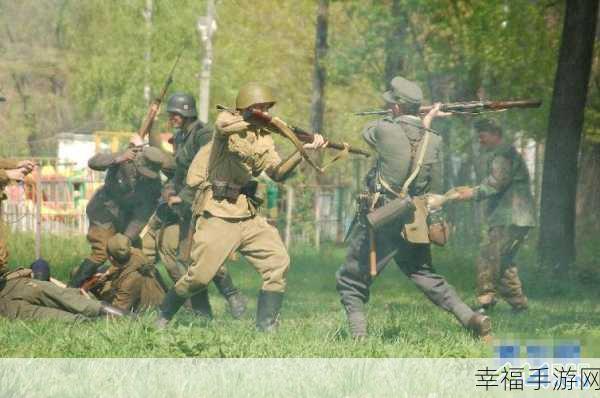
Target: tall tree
point(559, 183)
point(317, 107)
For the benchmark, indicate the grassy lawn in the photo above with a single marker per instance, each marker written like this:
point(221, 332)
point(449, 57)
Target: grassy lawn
point(403, 323)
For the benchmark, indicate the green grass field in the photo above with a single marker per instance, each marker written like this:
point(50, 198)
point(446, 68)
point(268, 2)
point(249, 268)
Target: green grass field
point(402, 322)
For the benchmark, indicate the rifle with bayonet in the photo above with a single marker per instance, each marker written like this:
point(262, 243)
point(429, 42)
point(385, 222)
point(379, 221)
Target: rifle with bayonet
point(469, 107)
point(154, 108)
point(300, 133)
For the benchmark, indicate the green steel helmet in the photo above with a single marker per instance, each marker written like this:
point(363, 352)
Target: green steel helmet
point(183, 104)
point(252, 94)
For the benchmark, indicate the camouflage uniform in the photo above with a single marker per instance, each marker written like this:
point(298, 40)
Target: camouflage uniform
point(510, 213)
point(397, 142)
point(123, 205)
point(132, 283)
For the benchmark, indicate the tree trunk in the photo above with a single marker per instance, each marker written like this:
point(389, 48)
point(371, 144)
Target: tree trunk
point(394, 57)
point(317, 106)
point(559, 184)
point(588, 192)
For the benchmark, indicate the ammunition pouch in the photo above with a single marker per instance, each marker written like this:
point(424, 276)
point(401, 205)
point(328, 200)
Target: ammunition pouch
point(401, 209)
point(439, 230)
point(226, 190)
point(250, 190)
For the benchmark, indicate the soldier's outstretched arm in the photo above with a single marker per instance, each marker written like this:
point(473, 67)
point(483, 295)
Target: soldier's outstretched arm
point(498, 180)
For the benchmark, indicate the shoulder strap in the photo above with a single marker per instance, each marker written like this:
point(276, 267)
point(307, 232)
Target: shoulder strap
point(416, 169)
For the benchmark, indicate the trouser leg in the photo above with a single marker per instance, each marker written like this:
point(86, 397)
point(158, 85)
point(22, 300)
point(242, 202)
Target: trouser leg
point(415, 261)
point(98, 237)
point(488, 268)
point(47, 294)
point(353, 279)
point(263, 248)
point(19, 309)
point(214, 239)
point(509, 285)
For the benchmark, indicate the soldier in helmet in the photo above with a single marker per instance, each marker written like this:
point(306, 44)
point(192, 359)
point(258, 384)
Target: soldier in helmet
point(125, 202)
point(227, 207)
point(510, 212)
point(168, 230)
point(408, 165)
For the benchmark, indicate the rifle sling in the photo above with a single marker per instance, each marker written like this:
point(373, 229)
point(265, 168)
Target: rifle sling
point(415, 172)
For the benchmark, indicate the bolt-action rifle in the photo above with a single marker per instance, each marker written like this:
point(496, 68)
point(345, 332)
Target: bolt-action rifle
point(299, 133)
point(154, 108)
point(470, 107)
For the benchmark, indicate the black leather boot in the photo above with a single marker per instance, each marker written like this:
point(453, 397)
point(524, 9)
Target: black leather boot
point(168, 308)
point(86, 269)
point(235, 299)
point(201, 305)
point(267, 313)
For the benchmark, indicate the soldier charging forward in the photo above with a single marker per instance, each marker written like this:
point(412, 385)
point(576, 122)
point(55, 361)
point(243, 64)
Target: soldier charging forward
point(393, 219)
point(226, 206)
point(168, 234)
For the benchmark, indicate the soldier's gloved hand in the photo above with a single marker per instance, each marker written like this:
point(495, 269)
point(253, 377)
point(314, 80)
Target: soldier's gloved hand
point(16, 174)
point(129, 154)
point(318, 142)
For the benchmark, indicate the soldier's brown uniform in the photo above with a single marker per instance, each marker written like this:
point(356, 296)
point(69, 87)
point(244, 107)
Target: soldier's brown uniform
point(132, 286)
point(228, 219)
point(123, 205)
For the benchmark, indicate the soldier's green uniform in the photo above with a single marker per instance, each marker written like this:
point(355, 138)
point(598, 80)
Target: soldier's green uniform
point(124, 204)
point(163, 236)
point(228, 220)
point(510, 214)
point(132, 284)
point(397, 141)
point(26, 298)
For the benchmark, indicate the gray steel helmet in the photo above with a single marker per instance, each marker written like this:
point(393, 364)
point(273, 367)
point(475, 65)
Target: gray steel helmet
point(183, 104)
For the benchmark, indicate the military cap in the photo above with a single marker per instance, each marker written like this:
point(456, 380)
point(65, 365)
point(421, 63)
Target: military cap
point(488, 126)
point(119, 246)
point(403, 91)
point(151, 161)
point(40, 270)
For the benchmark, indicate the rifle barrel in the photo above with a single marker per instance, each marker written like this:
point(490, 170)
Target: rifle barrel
point(467, 107)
